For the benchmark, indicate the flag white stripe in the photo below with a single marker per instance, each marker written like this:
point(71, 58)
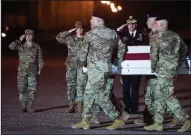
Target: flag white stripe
point(138, 49)
point(136, 63)
point(134, 71)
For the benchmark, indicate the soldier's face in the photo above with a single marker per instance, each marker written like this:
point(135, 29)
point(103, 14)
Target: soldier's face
point(29, 37)
point(132, 26)
point(79, 31)
point(93, 21)
point(157, 26)
point(151, 22)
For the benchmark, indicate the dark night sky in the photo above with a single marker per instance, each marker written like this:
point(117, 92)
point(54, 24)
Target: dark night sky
point(177, 12)
point(17, 7)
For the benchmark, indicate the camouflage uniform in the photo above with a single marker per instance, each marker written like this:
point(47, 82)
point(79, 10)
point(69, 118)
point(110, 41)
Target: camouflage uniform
point(152, 81)
point(76, 79)
point(30, 62)
point(96, 109)
point(109, 87)
point(166, 58)
point(97, 50)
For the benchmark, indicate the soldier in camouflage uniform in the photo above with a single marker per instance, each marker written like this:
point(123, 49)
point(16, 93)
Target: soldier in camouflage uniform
point(76, 79)
point(30, 65)
point(96, 109)
point(97, 50)
point(151, 81)
point(166, 58)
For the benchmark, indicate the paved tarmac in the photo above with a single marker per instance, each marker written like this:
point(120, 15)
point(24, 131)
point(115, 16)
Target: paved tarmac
point(51, 102)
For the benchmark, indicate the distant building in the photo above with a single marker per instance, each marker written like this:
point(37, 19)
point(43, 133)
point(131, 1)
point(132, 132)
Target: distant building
point(46, 15)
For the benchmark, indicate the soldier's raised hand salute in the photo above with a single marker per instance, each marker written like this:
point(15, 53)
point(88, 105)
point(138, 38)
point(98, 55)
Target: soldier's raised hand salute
point(121, 27)
point(22, 37)
point(72, 30)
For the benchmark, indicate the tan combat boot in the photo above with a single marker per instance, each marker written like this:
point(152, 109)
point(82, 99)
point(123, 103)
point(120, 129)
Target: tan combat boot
point(71, 108)
point(156, 126)
point(186, 126)
point(79, 107)
point(30, 104)
point(116, 124)
point(120, 121)
point(23, 106)
point(85, 124)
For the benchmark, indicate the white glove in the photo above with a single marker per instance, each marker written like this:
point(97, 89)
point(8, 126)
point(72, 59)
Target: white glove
point(155, 73)
point(38, 72)
point(113, 68)
point(84, 69)
point(123, 64)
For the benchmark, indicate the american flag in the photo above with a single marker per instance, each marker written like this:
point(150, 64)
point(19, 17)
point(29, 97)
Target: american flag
point(137, 61)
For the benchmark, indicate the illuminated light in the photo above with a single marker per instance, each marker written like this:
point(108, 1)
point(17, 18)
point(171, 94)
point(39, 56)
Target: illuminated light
point(119, 7)
point(103, 2)
point(112, 4)
point(114, 10)
point(108, 2)
point(3, 34)
point(6, 28)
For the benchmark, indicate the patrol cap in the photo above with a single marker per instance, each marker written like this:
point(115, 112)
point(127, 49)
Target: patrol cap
point(150, 15)
point(159, 18)
point(79, 24)
point(29, 32)
point(98, 14)
point(131, 20)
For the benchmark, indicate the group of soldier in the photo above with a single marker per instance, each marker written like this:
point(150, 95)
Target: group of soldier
point(90, 92)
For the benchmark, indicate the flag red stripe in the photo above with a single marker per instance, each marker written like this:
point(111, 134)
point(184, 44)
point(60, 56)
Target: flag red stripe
point(137, 56)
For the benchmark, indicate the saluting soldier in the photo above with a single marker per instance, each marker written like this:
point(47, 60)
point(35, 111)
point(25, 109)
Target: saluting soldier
point(30, 66)
point(131, 36)
point(97, 50)
point(75, 78)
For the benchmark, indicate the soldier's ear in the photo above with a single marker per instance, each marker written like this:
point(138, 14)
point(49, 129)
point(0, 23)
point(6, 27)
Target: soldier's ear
point(33, 37)
point(98, 20)
point(161, 24)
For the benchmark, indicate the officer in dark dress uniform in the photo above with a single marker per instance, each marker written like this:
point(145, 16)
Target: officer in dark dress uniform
point(131, 37)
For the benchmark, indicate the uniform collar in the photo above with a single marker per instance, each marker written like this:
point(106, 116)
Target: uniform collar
point(153, 33)
point(76, 37)
point(26, 45)
point(134, 32)
point(99, 26)
point(162, 32)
